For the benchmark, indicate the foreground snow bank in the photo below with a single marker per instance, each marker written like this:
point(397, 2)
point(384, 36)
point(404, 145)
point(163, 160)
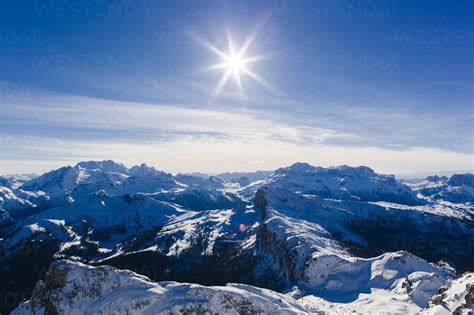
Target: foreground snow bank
point(75, 288)
point(456, 297)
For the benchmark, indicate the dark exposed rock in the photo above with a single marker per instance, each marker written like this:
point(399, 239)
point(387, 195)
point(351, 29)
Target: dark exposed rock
point(461, 180)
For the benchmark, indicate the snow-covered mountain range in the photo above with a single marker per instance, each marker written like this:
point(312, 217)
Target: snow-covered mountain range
point(301, 239)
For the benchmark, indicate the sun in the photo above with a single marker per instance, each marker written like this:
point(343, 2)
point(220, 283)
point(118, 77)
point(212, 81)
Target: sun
point(234, 64)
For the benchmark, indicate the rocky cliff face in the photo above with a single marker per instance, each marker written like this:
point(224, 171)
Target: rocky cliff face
point(462, 180)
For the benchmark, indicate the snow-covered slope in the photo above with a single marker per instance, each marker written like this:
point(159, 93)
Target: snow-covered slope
point(19, 199)
point(91, 226)
point(199, 198)
point(75, 288)
point(16, 202)
point(456, 297)
point(394, 282)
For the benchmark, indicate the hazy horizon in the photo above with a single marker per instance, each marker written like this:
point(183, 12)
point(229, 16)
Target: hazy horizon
point(402, 175)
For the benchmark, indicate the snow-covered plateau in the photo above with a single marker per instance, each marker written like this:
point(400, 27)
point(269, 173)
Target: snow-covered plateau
point(102, 238)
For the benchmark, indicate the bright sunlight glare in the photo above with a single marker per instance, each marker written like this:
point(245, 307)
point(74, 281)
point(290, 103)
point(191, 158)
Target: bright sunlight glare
point(234, 63)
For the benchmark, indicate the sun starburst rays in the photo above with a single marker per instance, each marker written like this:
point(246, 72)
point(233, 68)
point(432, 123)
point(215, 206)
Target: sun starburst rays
point(234, 63)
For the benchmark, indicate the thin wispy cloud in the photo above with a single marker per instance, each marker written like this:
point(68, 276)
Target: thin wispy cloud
point(74, 116)
point(60, 130)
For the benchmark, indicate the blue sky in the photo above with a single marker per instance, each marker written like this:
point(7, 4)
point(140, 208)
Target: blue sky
point(388, 84)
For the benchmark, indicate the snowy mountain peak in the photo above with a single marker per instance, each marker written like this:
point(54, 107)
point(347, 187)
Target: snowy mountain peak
point(143, 171)
point(106, 166)
point(303, 168)
point(298, 167)
point(341, 182)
